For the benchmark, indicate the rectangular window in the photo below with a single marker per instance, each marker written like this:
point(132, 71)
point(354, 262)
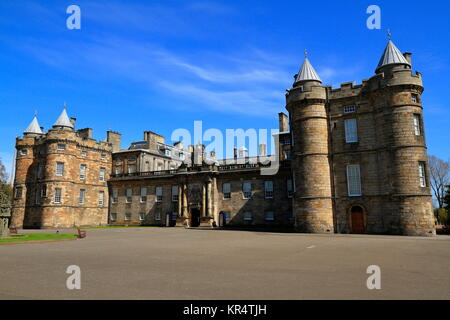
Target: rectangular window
point(82, 196)
point(118, 170)
point(287, 155)
point(417, 128)
point(354, 180)
point(115, 196)
point(270, 216)
point(414, 98)
point(102, 174)
point(290, 188)
point(158, 216)
point(60, 169)
point(182, 157)
point(159, 194)
point(44, 191)
point(23, 152)
point(247, 190)
point(141, 216)
point(61, 146)
point(268, 189)
point(83, 168)
point(40, 173)
point(422, 175)
point(113, 216)
point(103, 156)
point(174, 193)
point(226, 187)
point(101, 198)
point(58, 195)
point(351, 130)
point(129, 195)
point(248, 216)
point(131, 168)
point(19, 192)
point(127, 216)
point(84, 153)
point(38, 196)
point(349, 109)
point(168, 152)
point(143, 194)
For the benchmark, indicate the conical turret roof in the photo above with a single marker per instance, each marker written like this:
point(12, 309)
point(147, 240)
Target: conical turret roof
point(391, 55)
point(34, 127)
point(307, 72)
point(63, 120)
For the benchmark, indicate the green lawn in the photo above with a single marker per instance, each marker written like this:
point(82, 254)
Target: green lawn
point(39, 237)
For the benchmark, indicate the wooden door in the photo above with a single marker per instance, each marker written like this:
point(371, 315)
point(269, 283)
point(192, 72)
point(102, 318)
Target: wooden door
point(357, 219)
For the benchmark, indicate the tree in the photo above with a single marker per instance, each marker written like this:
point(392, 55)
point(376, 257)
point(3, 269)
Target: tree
point(447, 199)
point(439, 177)
point(5, 188)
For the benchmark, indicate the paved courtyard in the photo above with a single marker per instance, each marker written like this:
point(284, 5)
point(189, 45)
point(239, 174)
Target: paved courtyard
point(174, 263)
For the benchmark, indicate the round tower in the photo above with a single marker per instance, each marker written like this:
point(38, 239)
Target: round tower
point(25, 174)
point(306, 103)
point(398, 100)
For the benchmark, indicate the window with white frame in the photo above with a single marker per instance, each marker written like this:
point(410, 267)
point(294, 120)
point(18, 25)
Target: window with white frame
point(115, 196)
point(143, 194)
point(82, 196)
point(141, 216)
point(118, 170)
point(101, 198)
point(422, 174)
point(354, 180)
point(60, 169)
point(247, 190)
point(270, 216)
point(290, 188)
point(61, 146)
point(268, 189)
point(113, 216)
point(168, 152)
point(131, 168)
point(129, 195)
point(159, 194)
point(127, 216)
point(174, 193)
point(83, 169)
point(157, 216)
point(226, 189)
point(417, 127)
point(182, 156)
point(58, 193)
point(248, 216)
point(351, 130)
point(349, 109)
point(102, 174)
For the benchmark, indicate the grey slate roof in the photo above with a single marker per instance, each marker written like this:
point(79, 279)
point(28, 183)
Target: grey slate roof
point(391, 55)
point(63, 120)
point(307, 72)
point(34, 127)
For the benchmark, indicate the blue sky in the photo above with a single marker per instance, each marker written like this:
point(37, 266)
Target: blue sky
point(161, 65)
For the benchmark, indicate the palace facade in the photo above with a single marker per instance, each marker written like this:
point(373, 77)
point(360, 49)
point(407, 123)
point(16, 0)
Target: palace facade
point(351, 159)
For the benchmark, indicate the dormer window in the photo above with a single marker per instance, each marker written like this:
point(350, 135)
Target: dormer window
point(349, 109)
point(168, 152)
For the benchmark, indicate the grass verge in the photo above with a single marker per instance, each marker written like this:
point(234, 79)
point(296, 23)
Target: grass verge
point(39, 237)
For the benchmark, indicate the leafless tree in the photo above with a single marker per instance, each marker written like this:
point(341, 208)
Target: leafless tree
point(3, 175)
point(439, 176)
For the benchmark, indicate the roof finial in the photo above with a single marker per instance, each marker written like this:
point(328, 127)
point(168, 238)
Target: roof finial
point(306, 53)
point(35, 113)
point(389, 34)
point(65, 104)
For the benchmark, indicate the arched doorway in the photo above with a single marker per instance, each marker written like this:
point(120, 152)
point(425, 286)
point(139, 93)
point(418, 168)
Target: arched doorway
point(195, 218)
point(357, 219)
